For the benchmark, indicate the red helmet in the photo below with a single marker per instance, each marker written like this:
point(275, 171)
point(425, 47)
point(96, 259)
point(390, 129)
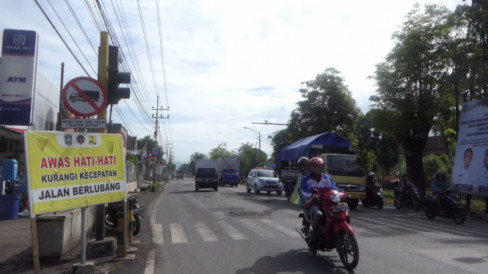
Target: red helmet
point(316, 161)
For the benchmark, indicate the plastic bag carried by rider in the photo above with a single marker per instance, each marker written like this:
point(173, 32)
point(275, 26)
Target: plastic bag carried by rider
point(303, 165)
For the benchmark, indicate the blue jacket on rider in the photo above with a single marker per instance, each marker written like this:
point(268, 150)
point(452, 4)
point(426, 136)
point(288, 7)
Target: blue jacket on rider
point(309, 183)
point(439, 186)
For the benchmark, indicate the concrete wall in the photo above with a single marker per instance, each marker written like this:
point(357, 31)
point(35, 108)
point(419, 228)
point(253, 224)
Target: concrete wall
point(58, 233)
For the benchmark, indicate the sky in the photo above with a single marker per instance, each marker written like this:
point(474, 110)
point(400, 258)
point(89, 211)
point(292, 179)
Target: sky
point(218, 66)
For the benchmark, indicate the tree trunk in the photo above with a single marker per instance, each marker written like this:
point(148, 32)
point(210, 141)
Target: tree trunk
point(414, 148)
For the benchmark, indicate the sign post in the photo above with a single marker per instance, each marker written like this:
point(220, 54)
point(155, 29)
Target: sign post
point(69, 170)
point(18, 76)
point(84, 96)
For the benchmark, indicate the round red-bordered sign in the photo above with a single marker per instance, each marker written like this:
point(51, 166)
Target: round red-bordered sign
point(84, 96)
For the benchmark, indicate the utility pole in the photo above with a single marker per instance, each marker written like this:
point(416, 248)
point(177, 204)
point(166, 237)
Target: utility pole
point(158, 116)
point(259, 140)
point(169, 159)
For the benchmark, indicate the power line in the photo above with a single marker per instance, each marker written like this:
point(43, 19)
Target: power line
point(103, 19)
point(61, 37)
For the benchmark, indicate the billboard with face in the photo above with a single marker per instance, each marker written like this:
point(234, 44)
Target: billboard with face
point(470, 172)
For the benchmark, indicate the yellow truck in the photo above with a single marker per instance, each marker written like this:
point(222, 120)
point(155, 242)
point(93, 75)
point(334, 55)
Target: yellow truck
point(341, 163)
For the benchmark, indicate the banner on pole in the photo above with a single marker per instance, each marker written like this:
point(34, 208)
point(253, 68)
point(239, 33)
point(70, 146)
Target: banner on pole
point(71, 170)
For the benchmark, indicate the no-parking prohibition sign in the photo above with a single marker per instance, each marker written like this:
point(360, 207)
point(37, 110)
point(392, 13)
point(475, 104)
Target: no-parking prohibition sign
point(84, 96)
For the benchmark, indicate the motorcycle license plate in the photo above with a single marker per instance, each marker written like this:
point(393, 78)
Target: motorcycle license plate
point(340, 208)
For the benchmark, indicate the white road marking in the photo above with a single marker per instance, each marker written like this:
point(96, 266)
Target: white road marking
point(262, 232)
point(177, 233)
point(288, 231)
point(232, 231)
point(150, 262)
point(157, 231)
point(205, 232)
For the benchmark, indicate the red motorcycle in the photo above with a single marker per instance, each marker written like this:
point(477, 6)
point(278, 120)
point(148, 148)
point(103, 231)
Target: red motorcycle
point(335, 230)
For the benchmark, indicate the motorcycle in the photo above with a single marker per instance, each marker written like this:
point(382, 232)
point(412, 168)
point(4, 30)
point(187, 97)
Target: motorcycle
point(451, 208)
point(334, 231)
point(374, 197)
point(111, 215)
point(409, 198)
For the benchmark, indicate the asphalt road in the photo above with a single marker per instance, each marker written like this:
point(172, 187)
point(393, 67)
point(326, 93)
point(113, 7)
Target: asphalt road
point(230, 231)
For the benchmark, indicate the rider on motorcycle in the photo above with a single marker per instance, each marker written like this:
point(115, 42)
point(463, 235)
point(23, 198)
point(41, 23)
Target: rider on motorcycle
point(439, 187)
point(312, 185)
point(405, 186)
point(371, 184)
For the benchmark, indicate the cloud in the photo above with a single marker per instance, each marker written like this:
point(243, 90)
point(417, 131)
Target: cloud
point(227, 64)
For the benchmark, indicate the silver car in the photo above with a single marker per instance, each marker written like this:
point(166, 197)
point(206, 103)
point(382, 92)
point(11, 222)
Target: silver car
point(260, 179)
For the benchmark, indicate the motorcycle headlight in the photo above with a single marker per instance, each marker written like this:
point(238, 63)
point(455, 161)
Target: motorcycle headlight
point(335, 198)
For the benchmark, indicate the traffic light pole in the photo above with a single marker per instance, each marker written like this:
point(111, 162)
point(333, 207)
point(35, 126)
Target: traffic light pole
point(103, 79)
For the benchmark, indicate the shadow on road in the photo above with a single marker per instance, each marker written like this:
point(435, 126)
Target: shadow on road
point(294, 261)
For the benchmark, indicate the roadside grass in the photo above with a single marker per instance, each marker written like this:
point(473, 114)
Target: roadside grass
point(478, 204)
point(153, 187)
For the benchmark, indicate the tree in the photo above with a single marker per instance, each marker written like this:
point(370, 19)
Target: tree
point(279, 140)
point(170, 167)
point(147, 143)
point(477, 29)
point(220, 151)
point(248, 156)
point(196, 156)
point(411, 82)
point(184, 167)
point(327, 106)
point(375, 141)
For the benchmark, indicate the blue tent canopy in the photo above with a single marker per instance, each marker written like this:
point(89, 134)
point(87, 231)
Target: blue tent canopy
point(314, 145)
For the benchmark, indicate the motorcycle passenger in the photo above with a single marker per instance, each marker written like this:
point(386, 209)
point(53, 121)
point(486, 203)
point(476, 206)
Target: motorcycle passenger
point(312, 185)
point(303, 165)
point(371, 184)
point(439, 188)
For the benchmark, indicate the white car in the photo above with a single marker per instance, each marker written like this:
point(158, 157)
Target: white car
point(260, 179)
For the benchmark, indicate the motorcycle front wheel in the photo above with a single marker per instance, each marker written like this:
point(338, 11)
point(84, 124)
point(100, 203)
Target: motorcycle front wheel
point(137, 225)
point(458, 215)
point(109, 221)
point(348, 249)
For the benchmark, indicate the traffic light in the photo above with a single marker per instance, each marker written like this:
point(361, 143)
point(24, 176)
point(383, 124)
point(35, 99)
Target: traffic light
point(115, 78)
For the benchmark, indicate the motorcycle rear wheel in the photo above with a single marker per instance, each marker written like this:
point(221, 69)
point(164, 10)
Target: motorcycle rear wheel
point(458, 215)
point(429, 213)
point(380, 204)
point(348, 249)
point(397, 204)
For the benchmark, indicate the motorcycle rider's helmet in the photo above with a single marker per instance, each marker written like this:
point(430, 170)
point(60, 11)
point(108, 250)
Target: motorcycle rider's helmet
point(440, 176)
point(316, 165)
point(316, 161)
point(303, 162)
point(370, 176)
point(405, 177)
